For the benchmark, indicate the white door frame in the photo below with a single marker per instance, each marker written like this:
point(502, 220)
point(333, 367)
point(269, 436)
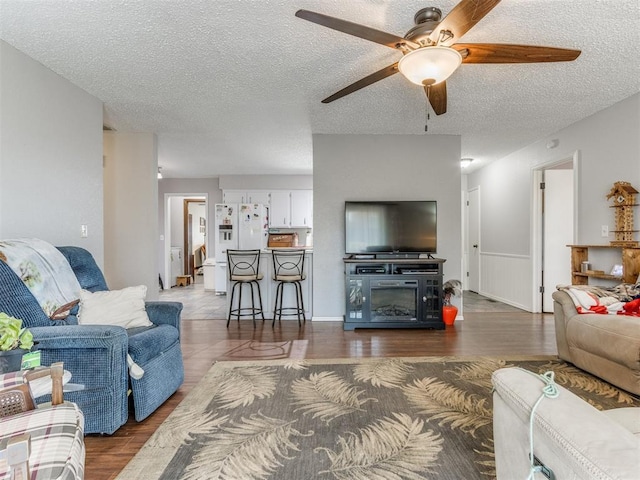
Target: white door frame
point(536, 218)
point(167, 230)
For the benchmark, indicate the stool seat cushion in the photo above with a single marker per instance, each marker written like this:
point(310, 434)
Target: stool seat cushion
point(247, 278)
point(289, 278)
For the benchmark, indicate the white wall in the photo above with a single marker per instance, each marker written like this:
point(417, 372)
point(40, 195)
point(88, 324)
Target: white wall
point(379, 167)
point(50, 156)
point(266, 182)
point(130, 210)
point(176, 218)
point(607, 145)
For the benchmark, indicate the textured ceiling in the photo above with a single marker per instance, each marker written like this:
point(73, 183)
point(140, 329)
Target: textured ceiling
point(234, 86)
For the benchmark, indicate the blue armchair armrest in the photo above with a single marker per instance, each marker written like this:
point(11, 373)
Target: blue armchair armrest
point(96, 356)
point(164, 313)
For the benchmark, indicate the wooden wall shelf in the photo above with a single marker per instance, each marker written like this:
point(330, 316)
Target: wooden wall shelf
point(629, 258)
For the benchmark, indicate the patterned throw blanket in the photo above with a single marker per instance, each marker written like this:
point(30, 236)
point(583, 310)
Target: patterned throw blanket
point(44, 270)
point(623, 299)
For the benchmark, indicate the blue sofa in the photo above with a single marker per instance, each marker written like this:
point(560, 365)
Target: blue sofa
point(96, 355)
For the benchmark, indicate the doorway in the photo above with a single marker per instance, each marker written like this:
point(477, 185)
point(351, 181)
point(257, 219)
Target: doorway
point(176, 244)
point(556, 228)
point(473, 242)
point(194, 236)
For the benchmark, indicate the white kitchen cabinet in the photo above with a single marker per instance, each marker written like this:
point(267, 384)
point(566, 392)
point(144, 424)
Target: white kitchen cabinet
point(246, 196)
point(291, 209)
point(280, 209)
point(262, 197)
point(233, 196)
point(302, 208)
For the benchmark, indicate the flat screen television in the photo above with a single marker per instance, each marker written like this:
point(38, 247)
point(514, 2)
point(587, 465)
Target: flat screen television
point(391, 227)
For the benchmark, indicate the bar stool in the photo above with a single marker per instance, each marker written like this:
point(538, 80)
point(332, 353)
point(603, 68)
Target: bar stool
point(288, 269)
point(244, 269)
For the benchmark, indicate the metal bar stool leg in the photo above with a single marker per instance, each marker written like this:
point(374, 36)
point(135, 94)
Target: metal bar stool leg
point(233, 290)
point(300, 302)
point(253, 305)
point(275, 307)
point(239, 310)
point(260, 301)
point(281, 301)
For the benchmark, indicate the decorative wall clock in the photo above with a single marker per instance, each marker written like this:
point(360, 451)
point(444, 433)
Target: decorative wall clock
point(624, 200)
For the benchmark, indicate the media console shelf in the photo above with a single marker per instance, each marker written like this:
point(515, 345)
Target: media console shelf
point(393, 292)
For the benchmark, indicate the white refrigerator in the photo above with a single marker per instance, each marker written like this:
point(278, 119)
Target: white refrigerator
point(238, 226)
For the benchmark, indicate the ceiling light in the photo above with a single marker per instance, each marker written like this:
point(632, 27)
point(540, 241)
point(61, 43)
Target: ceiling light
point(159, 173)
point(429, 65)
point(465, 162)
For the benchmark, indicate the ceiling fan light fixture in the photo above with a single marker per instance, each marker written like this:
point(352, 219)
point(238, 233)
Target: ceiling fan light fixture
point(429, 65)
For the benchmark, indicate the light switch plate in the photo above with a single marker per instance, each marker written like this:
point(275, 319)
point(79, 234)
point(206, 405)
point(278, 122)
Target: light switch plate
point(605, 230)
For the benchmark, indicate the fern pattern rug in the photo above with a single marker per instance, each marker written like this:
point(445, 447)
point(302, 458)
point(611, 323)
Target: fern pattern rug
point(356, 419)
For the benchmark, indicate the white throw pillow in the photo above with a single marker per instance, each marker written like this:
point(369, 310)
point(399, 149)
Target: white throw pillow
point(125, 307)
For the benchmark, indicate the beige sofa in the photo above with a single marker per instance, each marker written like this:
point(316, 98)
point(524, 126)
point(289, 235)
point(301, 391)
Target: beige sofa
point(607, 346)
point(571, 438)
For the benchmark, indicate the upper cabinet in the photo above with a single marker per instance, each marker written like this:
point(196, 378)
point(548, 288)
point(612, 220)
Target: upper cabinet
point(291, 209)
point(302, 208)
point(246, 196)
point(280, 211)
point(287, 208)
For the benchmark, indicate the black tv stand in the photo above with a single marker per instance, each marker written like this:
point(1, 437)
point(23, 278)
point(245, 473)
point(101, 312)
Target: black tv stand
point(393, 291)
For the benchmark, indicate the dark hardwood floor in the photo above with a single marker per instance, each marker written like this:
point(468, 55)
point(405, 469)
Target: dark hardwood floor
point(207, 341)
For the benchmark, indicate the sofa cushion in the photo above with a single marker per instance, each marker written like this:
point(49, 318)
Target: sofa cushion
point(147, 343)
point(570, 436)
point(614, 337)
point(628, 417)
point(125, 308)
point(84, 266)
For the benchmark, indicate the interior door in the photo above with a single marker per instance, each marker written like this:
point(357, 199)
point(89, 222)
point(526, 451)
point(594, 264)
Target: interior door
point(473, 248)
point(557, 228)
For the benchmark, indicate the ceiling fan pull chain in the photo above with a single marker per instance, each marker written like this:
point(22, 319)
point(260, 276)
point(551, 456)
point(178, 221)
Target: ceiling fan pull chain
point(427, 115)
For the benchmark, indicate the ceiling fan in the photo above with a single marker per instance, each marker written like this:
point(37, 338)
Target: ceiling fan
point(430, 52)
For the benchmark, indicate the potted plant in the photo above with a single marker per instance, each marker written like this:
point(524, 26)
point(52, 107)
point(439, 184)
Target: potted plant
point(14, 342)
point(449, 289)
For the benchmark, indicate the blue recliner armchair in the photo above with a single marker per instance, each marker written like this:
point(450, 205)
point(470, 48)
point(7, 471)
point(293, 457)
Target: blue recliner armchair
point(96, 355)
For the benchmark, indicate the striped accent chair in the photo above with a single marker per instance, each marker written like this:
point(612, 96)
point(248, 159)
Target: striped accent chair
point(39, 443)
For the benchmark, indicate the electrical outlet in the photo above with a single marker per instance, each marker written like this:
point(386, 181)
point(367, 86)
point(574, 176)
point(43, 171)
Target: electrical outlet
point(605, 230)
point(84, 231)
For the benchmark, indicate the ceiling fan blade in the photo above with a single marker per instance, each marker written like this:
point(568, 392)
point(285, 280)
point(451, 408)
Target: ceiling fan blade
point(357, 30)
point(437, 95)
point(364, 82)
point(460, 20)
point(506, 53)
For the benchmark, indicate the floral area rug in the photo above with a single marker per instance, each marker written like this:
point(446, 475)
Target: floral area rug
point(362, 419)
